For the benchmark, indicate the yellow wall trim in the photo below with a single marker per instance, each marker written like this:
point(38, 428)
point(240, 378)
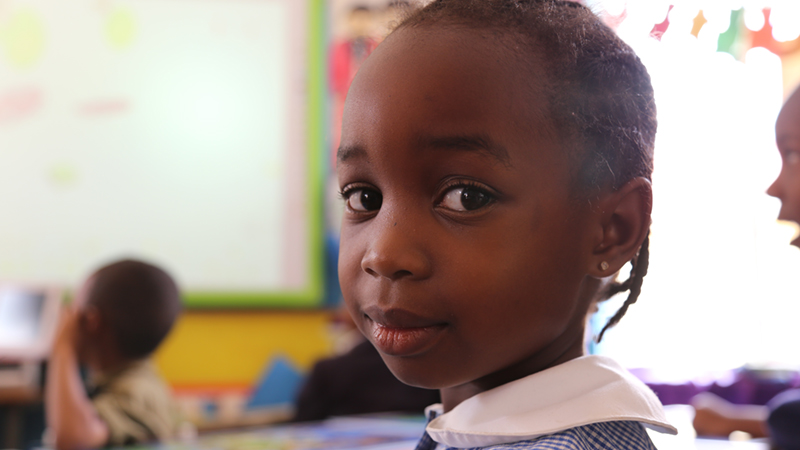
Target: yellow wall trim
point(231, 349)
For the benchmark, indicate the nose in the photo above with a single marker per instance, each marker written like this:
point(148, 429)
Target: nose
point(775, 189)
point(396, 251)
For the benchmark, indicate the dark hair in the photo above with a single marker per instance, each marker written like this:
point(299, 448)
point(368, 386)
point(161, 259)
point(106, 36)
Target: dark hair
point(599, 93)
point(138, 301)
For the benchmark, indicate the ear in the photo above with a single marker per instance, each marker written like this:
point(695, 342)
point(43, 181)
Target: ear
point(624, 222)
point(90, 320)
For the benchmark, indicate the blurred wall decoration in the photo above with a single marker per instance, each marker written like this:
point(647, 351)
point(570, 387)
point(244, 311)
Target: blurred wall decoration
point(188, 133)
point(179, 132)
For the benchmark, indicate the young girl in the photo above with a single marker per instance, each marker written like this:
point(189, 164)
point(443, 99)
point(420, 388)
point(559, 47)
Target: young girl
point(495, 164)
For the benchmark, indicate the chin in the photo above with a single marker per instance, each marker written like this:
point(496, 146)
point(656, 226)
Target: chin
point(414, 374)
point(409, 376)
point(425, 375)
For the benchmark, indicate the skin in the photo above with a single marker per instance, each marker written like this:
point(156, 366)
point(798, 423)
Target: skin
point(713, 415)
point(787, 186)
point(464, 258)
point(82, 338)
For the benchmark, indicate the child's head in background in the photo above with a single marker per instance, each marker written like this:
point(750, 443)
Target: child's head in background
point(495, 164)
point(782, 419)
point(787, 186)
point(125, 310)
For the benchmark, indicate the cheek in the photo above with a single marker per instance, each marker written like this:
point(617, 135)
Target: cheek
point(792, 182)
point(532, 306)
point(523, 281)
point(350, 255)
point(789, 181)
point(349, 271)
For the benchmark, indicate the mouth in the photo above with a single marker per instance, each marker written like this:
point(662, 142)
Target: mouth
point(398, 332)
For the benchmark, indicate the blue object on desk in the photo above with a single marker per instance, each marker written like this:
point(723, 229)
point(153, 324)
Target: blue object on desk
point(278, 385)
point(344, 433)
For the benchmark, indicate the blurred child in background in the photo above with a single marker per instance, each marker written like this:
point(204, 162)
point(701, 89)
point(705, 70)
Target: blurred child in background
point(119, 317)
point(780, 419)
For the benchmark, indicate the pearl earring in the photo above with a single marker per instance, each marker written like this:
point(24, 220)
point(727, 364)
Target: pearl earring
point(603, 266)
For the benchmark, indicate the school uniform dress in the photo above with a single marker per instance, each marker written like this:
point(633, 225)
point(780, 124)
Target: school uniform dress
point(587, 403)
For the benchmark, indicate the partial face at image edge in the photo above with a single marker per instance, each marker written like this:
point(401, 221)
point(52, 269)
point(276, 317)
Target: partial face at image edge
point(787, 186)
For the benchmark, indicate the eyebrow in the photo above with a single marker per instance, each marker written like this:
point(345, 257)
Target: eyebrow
point(346, 152)
point(471, 143)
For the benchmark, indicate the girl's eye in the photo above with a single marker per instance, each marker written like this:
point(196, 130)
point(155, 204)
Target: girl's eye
point(466, 198)
point(363, 200)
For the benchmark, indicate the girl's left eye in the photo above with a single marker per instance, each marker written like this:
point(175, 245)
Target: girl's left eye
point(466, 198)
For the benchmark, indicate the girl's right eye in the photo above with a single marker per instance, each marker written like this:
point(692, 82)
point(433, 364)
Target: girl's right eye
point(466, 198)
point(363, 200)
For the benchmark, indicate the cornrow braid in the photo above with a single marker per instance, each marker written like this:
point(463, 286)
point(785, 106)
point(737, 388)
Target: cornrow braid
point(633, 284)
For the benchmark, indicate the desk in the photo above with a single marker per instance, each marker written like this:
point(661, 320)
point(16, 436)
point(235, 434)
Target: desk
point(402, 433)
point(681, 417)
point(345, 433)
point(21, 408)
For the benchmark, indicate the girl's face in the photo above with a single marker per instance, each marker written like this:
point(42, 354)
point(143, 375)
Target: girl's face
point(787, 186)
point(462, 251)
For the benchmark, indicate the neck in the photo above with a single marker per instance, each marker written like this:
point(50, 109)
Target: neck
point(109, 361)
point(557, 353)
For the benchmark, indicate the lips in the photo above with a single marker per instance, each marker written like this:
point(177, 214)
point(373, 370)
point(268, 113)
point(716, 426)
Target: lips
point(398, 332)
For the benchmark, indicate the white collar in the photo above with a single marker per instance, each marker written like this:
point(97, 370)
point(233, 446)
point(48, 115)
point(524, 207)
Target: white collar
point(585, 390)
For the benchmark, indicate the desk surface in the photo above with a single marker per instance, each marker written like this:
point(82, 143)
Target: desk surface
point(400, 433)
point(681, 417)
point(391, 433)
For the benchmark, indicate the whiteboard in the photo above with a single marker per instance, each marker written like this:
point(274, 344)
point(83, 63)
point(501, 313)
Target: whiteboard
point(175, 131)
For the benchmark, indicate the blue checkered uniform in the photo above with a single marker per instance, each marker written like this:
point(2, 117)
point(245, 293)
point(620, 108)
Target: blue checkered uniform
point(596, 436)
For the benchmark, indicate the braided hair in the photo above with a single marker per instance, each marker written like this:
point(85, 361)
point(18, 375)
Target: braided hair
point(599, 94)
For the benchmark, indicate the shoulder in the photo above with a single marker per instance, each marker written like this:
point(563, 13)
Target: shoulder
point(139, 379)
point(562, 399)
point(139, 389)
point(136, 405)
point(615, 435)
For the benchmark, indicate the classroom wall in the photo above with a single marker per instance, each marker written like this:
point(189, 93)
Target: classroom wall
point(213, 351)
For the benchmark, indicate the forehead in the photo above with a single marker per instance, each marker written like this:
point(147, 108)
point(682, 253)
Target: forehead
point(788, 124)
point(448, 80)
